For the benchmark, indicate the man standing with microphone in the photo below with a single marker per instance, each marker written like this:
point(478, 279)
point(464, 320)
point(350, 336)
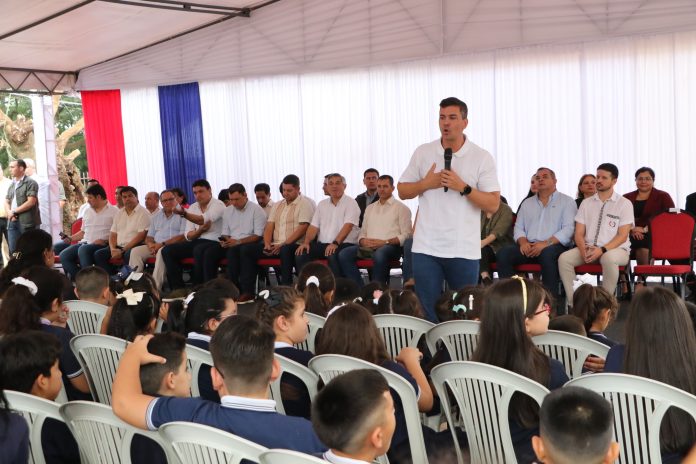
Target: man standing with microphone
point(446, 242)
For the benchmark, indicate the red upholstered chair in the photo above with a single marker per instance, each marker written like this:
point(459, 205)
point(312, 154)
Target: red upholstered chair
point(671, 238)
point(596, 270)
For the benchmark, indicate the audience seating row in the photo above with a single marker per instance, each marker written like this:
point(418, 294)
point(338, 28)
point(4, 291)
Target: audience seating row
point(481, 392)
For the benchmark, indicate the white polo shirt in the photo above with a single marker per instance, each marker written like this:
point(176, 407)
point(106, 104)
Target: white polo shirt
point(330, 218)
point(617, 211)
point(97, 225)
point(449, 225)
point(213, 213)
point(127, 226)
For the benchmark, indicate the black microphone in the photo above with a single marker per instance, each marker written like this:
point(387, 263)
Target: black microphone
point(448, 161)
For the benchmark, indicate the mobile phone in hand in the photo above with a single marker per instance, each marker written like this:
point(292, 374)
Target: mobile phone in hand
point(221, 238)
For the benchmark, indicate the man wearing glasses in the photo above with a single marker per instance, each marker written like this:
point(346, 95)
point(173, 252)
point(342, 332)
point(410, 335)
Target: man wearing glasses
point(165, 228)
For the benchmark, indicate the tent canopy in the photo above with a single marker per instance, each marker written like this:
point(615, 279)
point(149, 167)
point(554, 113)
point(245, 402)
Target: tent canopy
point(99, 44)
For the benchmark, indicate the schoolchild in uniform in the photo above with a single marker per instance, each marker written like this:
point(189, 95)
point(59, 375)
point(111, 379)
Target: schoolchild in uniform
point(205, 311)
point(354, 415)
point(514, 311)
point(351, 331)
point(171, 378)
point(597, 308)
point(283, 310)
point(34, 302)
point(242, 351)
point(30, 365)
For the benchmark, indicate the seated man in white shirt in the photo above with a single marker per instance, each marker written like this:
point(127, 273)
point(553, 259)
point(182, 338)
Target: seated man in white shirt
point(366, 433)
point(127, 232)
point(334, 225)
point(93, 235)
point(166, 228)
point(386, 225)
point(203, 227)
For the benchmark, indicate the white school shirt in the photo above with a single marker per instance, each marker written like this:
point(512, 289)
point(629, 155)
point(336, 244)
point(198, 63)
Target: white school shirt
point(449, 225)
point(332, 458)
point(617, 212)
point(330, 218)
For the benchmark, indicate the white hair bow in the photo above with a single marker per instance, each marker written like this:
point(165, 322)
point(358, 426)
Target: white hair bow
point(26, 283)
point(188, 299)
point(312, 280)
point(132, 298)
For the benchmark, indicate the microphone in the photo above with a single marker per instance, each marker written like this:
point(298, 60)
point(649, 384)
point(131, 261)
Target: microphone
point(448, 161)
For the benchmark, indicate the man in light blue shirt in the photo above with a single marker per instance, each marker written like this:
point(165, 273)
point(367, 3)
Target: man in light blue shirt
point(242, 228)
point(166, 228)
point(543, 230)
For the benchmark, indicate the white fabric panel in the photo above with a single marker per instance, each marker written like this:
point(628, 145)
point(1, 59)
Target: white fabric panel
point(685, 115)
point(299, 36)
point(225, 133)
point(538, 117)
point(629, 101)
point(142, 137)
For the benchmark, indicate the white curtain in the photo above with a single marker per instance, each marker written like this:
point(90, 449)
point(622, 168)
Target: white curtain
point(629, 101)
point(142, 138)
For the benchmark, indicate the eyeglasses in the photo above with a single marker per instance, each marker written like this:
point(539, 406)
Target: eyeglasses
point(167, 199)
point(644, 179)
point(544, 309)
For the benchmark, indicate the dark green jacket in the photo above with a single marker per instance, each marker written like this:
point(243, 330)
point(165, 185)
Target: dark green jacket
point(26, 188)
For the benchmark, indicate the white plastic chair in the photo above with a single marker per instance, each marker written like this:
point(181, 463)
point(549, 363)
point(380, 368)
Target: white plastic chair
point(200, 444)
point(197, 358)
point(35, 411)
point(328, 366)
point(305, 374)
point(639, 406)
point(483, 393)
point(85, 317)
point(99, 356)
point(316, 322)
point(459, 337)
point(280, 456)
point(570, 349)
point(399, 331)
point(102, 437)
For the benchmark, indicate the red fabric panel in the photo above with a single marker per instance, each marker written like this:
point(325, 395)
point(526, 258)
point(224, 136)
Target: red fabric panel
point(106, 154)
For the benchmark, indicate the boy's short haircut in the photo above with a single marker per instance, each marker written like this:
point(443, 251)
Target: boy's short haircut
point(348, 408)
point(24, 356)
point(242, 348)
point(170, 346)
point(91, 281)
point(576, 425)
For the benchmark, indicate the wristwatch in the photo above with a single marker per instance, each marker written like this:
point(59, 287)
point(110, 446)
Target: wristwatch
point(466, 191)
point(335, 242)
point(604, 250)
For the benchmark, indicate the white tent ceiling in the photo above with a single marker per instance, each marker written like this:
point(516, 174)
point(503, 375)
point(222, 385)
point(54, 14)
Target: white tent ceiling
point(125, 43)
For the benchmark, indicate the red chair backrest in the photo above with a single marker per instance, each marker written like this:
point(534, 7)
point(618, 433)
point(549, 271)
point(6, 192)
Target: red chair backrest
point(672, 236)
point(75, 227)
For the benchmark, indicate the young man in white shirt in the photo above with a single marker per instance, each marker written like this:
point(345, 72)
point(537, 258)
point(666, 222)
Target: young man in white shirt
point(203, 228)
point(93, 235)
point(446, 242)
